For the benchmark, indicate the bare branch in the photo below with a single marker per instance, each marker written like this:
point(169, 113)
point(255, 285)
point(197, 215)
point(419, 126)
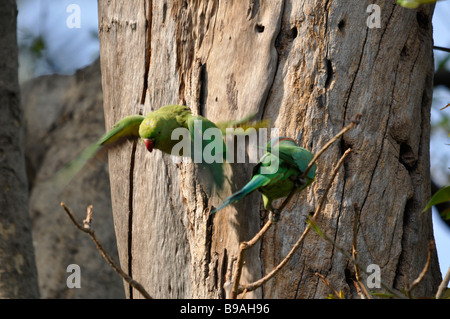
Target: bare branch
point(236, 289)
point(240, 259)
point(88, 221)
point(443, 285)
point(349, 257)
point(258, 283)
point(326, 282)
point(246, 245)
point(353, 122)
point(441, 48)
point(362, 291)
point(424, 270)
point(87, 229)
point(227, 286)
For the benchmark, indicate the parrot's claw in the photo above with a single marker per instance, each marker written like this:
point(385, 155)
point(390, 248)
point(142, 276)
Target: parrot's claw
point(274, 215)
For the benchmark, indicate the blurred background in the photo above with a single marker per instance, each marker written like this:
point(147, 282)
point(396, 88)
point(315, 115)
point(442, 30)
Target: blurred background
point(57, 38)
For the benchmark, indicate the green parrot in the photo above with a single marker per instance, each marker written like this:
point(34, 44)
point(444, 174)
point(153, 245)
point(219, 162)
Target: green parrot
point(277, 173)
point(155, 130)
point(412, 4)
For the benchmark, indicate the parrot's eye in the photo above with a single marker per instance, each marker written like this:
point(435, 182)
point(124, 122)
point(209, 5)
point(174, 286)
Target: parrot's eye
point(159, 132)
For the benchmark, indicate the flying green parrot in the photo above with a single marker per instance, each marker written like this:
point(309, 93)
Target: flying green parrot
point(277, 173)
point(155, 130)
point(412, 4)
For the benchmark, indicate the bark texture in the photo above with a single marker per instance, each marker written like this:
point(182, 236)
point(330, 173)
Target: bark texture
point(308, 66)
point(18, 274)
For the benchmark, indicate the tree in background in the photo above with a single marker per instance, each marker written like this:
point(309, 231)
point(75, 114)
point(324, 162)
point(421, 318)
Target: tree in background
point(18, 274)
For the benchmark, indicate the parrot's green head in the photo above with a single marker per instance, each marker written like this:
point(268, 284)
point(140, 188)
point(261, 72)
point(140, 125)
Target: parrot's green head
point(152, 131)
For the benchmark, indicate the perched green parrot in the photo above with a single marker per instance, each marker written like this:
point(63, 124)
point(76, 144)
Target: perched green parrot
point(155, 130)
point(412, 4)
point(277, 173)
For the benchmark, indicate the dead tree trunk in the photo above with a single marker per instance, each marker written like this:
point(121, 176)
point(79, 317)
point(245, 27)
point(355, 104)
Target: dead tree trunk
point(308, 66)
point(18, 274)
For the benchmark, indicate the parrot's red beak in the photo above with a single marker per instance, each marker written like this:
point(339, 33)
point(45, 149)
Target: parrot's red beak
point(149, 144)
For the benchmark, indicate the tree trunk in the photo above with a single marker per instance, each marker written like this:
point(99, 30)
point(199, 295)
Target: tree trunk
point(308, 66)
point(18, 275)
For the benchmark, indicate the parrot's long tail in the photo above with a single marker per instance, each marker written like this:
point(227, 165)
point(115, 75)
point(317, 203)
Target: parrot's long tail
point(215, 174)
point(254, 184)
point(62, 178)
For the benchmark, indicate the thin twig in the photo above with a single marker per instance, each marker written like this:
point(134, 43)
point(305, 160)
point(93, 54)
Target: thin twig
point(87, 229)
point(441, 48)
point(349, 257)
point(227, 286)
point(88, 221)
point(248, 244)
point(326, 282)
point(236, 289)
point(423, 272)
point(240, 259)
point(362, 291)
point(260, 282)
point(353, 122)
point(443, 285)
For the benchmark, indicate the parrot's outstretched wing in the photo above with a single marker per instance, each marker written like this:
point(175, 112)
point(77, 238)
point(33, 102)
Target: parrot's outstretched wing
point(244, 123)
point(208, 147)
point(126, 128)
point(297, 156)
point(288, 150)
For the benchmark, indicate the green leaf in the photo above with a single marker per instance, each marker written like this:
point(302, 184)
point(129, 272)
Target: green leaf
point(339, 296)
point(441, 64)
point(315, 227)
point(445, 214)
point(412, 4)
point(441, 196)
point(382, 294)
point(37, 46)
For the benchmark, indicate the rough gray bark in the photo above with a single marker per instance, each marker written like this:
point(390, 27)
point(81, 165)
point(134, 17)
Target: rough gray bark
point(308, 66)
point(18, 275)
